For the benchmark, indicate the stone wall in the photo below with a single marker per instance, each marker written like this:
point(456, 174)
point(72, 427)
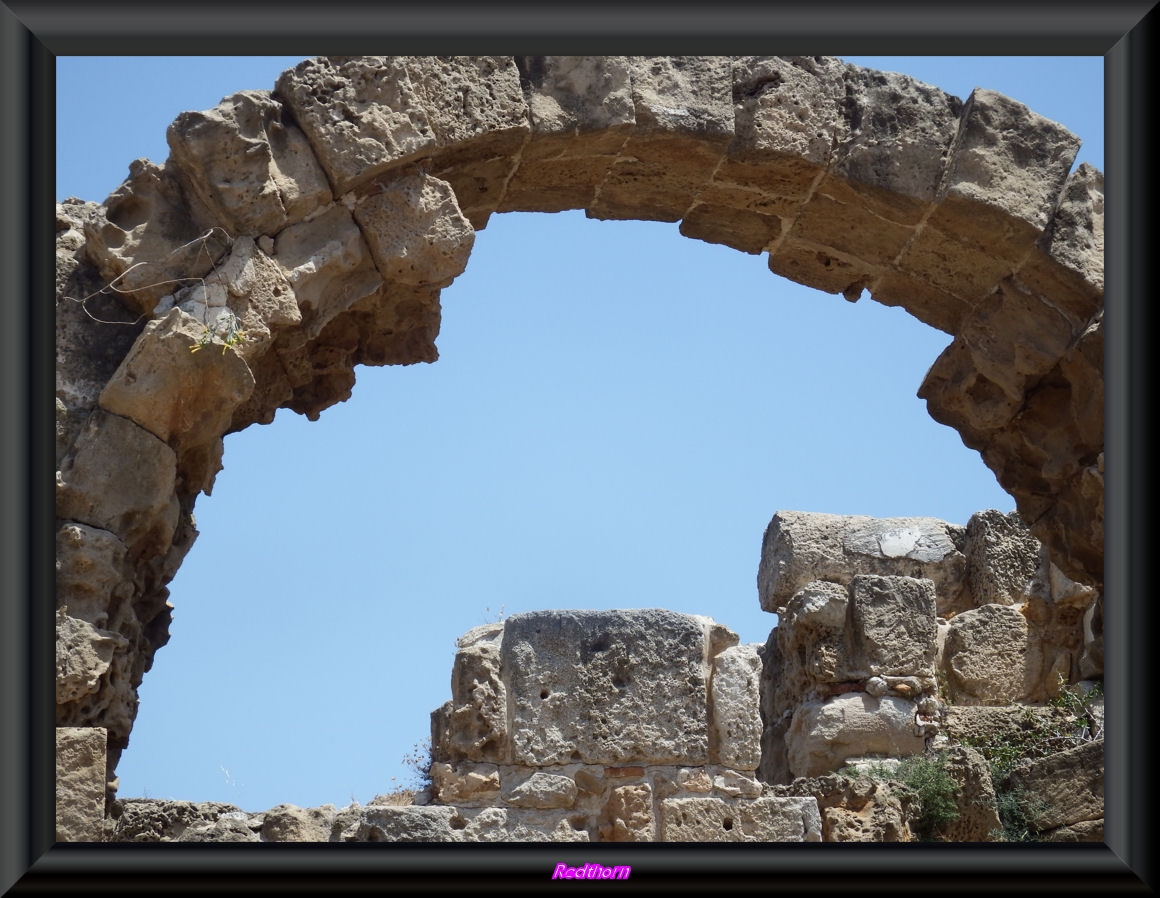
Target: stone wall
point(293, 234)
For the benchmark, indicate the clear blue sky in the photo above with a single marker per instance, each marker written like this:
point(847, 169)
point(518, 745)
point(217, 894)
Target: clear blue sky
point(616, 414)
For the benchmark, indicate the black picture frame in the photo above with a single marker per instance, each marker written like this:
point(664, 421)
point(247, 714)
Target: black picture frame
point(34, 32)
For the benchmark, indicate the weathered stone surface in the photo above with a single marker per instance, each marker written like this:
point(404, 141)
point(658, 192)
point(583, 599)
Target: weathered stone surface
point(892, 626)
point(150, 237)
point(735, 724)
point(83, 656)
point(768, 819)
point(639, 676)
point(383, 823)
point(415, 231)
point(1068, 787)
point(503, 825)
point(1002, 558)
point(120, 478)
point(90, 572)
point(978, 812)
point(476, 724)
point(542, 790)
point(80, 784)
point(248, 163)
point(857, 809)
point(802, 546)
point(155, 820)
point(826, 166)
point(627, 815)
point(183, 397)
point(289, 823)
point(824, 734)
point(465, 783)
point(988, 659)
point(328, 264)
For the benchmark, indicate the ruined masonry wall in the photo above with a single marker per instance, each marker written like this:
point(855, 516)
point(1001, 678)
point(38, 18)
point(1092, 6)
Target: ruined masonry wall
point(322, 218)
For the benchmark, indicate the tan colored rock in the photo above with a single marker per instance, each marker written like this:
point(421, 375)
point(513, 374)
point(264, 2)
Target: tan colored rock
point(542, 790)
point(136, 501)
point(186, 398)
point(1002, 558)
point(156, 820)
point(510, 825)
point(476, 723)
point(857, 809)
point(410, 823)
point(768, 819)
point(90, 572)
point(415, 231)
point(627, 816)
point(1063, 789)
point(892, 627)
point(80, 784)
point(249, 163)
point(83, 656)
point(988, 657)
point(735, 724)
point(149, 239)
point(465, 784)
point(289, 823)
point(799, 547)
point(606, 687)
point(978, 812)
point(823, 735)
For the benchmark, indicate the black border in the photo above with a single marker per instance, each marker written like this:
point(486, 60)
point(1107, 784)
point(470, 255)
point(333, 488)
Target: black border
point(33, 33)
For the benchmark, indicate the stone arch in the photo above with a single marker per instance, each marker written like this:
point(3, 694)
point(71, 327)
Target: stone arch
point(325, 217)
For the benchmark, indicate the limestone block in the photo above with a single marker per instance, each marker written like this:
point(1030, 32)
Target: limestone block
point(799, 547)
point(232, 826)
point(694, 779)
point(150, 237)
point(90, 571)
point(328, 264)
point(627, 815)
point(510, 825)
point(684, 121)
point(361, 115)
point(120, 478)
point(415, 231)
point(157, 820)
point(464, 783)
point(959, 395)
point(1009, 158)
point(80, 784)
point(768, 819)
point(289, 823)
point(892, 626)
point(1002, 558)
point(83, 656)
point(1069, 266)
point(889, 162)
point(183, 397)
point(1016, 337)
point(1069, 786)
point(606, 687)
point(988, 657)
point(857, 809)
point(249, 163)
point(1007, 169)
point(978, 813)
point(542, 790)
point(388, 823)
point(823, 735)
point(735, 724)
point(477, 722)
point(733, 784)
point(1084, 831)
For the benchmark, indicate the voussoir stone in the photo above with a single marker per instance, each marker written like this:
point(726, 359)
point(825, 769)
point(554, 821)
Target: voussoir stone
point(249, 163)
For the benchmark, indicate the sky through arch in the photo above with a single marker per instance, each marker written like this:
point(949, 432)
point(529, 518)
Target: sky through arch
point(616, 414)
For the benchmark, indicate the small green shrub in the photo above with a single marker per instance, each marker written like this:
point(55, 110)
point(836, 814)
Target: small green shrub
point(926, 777)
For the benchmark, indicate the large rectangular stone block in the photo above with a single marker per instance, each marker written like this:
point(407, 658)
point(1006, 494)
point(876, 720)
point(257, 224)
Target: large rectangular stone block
point(80, 783)
point(607, 687)
point(767, 819)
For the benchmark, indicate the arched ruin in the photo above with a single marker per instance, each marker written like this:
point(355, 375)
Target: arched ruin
point(313, 227)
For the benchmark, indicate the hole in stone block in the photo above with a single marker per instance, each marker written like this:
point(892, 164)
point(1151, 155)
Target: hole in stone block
point(727, 823)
